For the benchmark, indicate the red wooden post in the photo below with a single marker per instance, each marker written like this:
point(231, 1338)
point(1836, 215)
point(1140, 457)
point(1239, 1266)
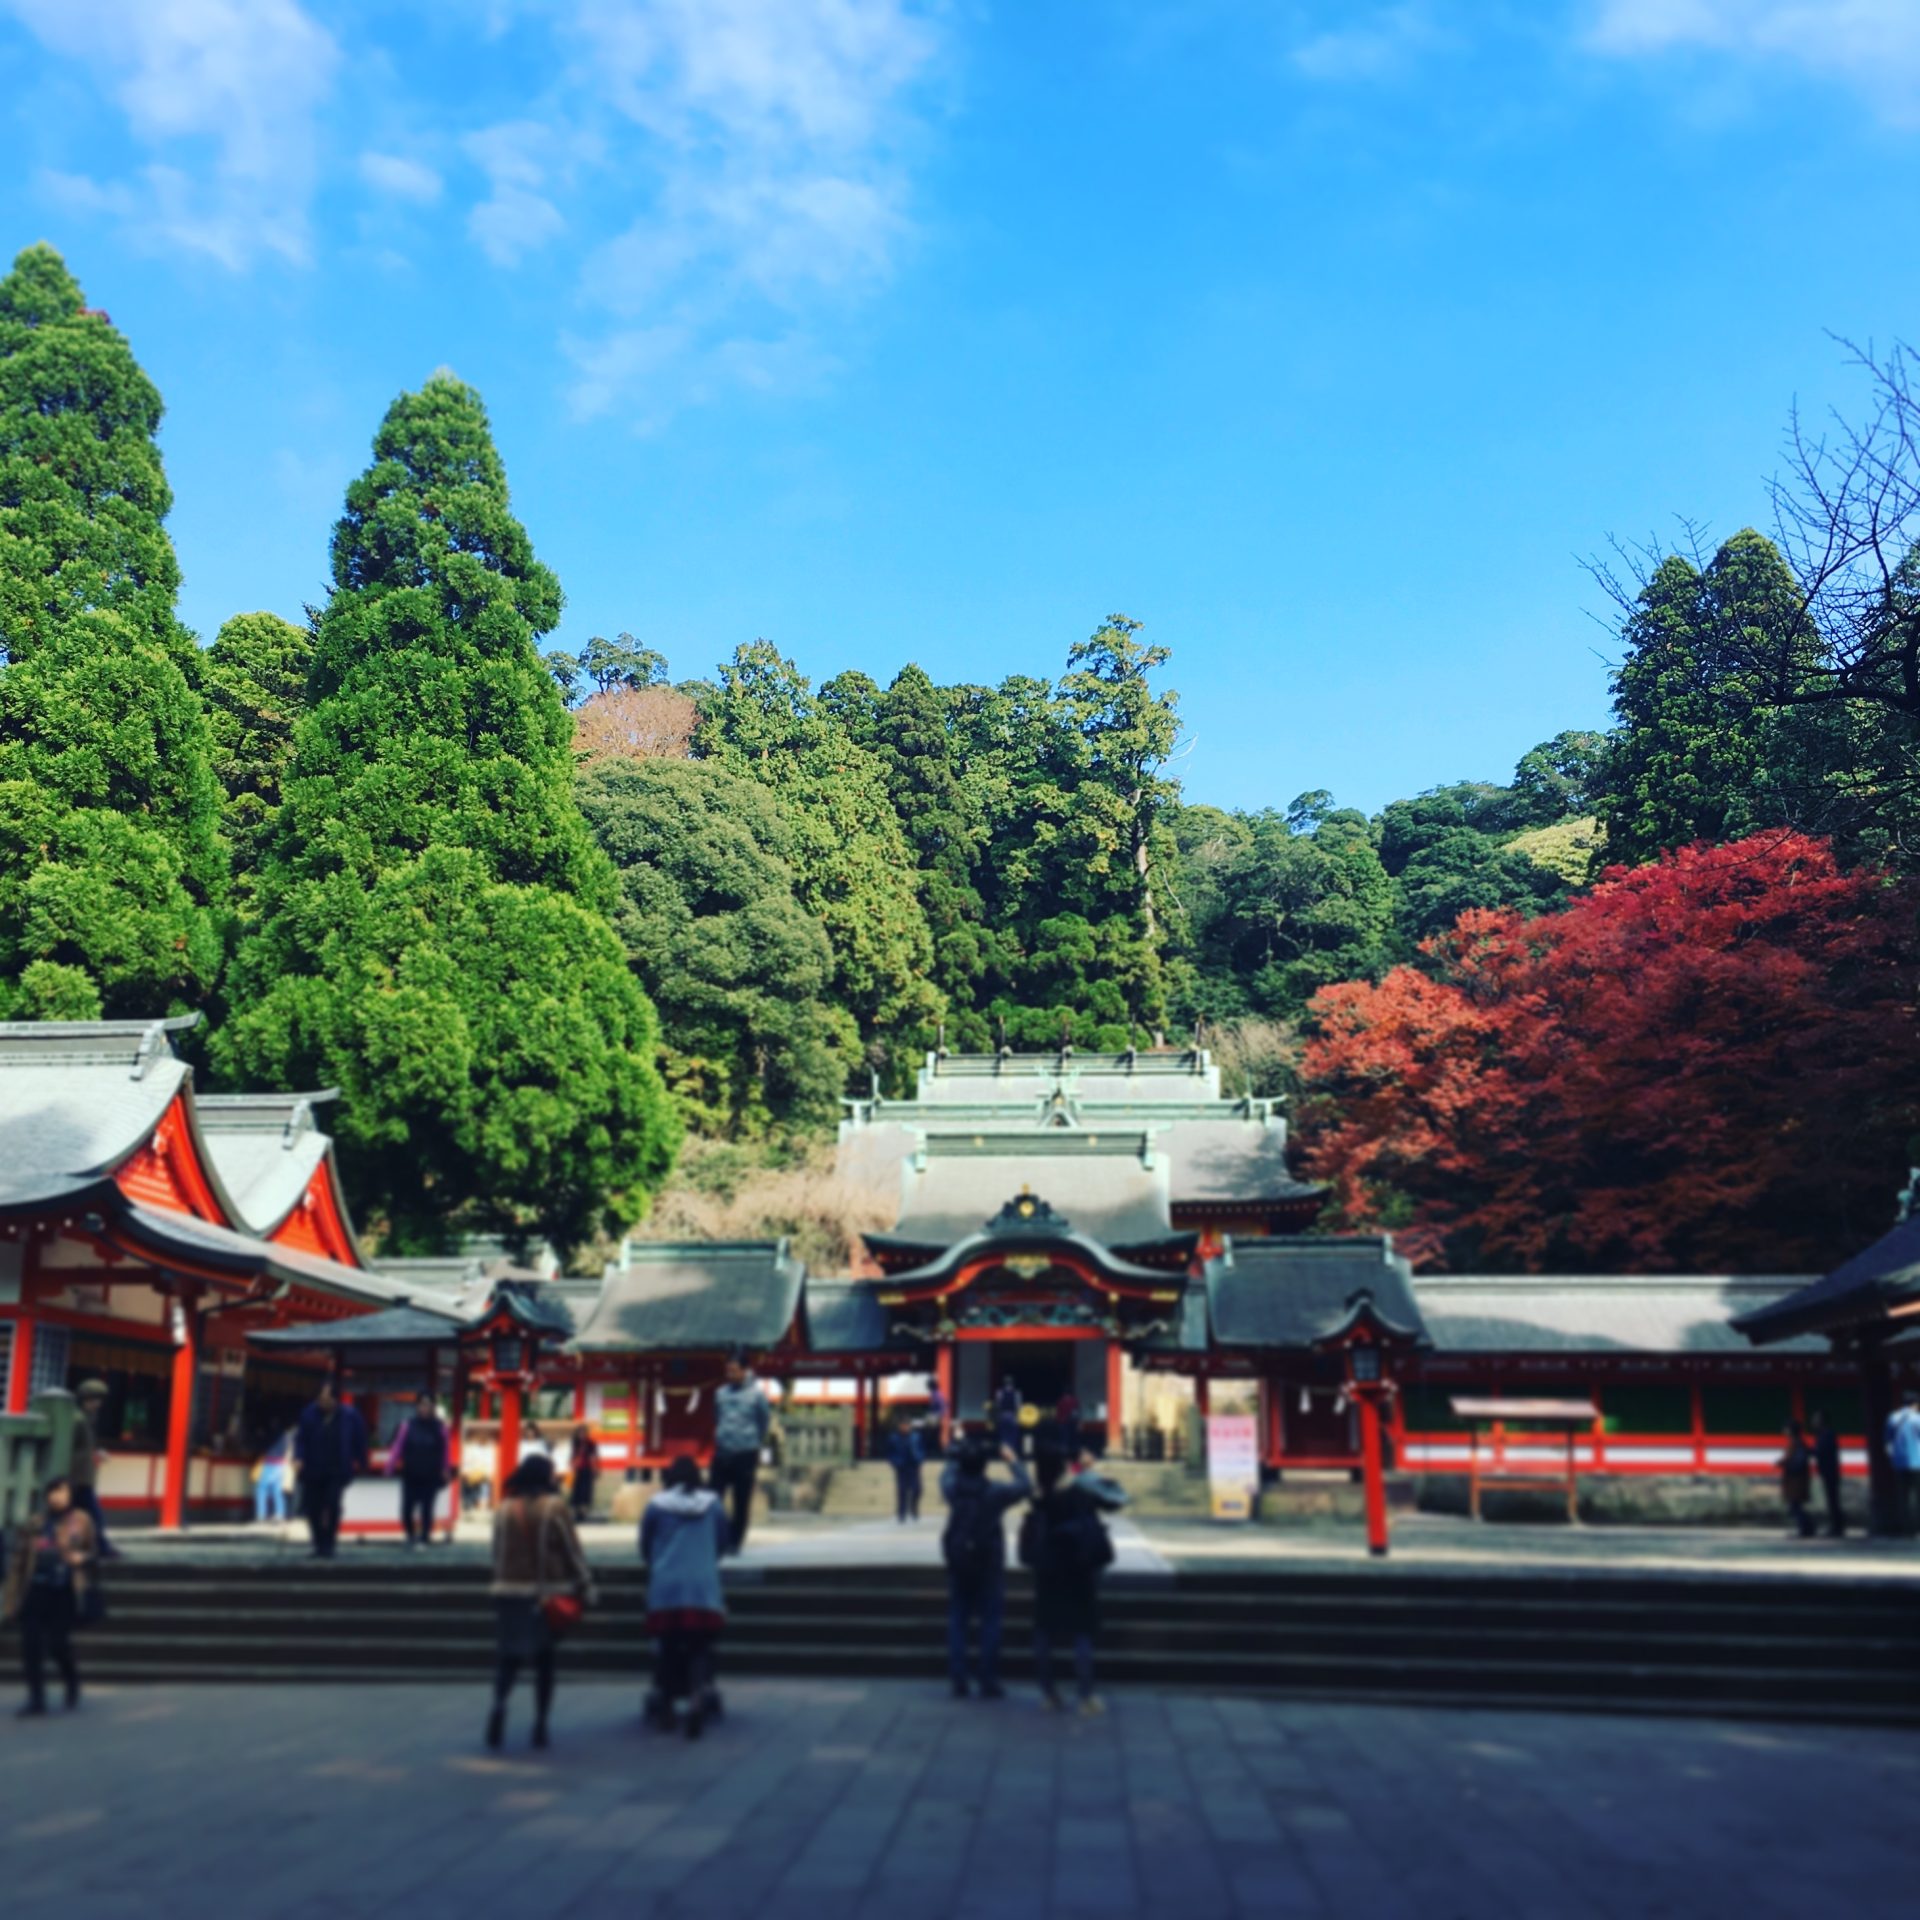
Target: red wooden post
point(1375, 1472)
point(859, 1418)
point(507, 1455)
point(1116, 1393)
point(186, 1360)
point(20, 1379)
point(943, 1372)
point(1201, 1395)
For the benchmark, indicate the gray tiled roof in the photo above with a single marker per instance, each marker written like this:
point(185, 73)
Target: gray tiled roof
point(1595, 1313)
point(1857, 1293)
point(706, 1297)
point(1229, 1160)
point(393, 1327)
point(162, 1232)
point(1097, 1182)
point(266, 1149)
point(77, 1099)
point(843, 1319)
point(1099, 1076)
point(1289, 1290)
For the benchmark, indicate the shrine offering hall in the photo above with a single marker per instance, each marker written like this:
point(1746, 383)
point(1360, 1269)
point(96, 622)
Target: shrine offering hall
point(1113, 1227)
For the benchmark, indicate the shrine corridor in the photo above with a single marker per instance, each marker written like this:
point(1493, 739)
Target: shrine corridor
point(888, 1800)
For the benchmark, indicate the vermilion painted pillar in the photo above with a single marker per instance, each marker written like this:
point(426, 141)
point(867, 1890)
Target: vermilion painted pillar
point(943, 1372)
point(1201, 1394)
point(186, 1363)
point(1375, 1473)
point(1116, 1394)
point(507, 1455)
point(20, 1379)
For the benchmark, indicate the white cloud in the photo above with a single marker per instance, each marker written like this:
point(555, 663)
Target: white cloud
point(236, 81)
point(1376, 48)
point(772, 142)
point(1873, 45)
point(520, 159)
point(405, 179)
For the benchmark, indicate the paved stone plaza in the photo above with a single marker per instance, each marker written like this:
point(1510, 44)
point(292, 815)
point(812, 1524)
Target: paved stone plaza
point(890, 1800)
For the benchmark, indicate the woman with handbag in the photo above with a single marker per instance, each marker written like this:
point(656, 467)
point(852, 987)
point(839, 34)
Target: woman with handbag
point(51, 1588)
point(541, 1584)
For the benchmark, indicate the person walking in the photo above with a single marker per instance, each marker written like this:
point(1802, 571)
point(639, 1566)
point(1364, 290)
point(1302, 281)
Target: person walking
point(422, 1458)
point(906, 1455)
point(330, 1446)
point(1066, 1545)
point(936, 1429)
point(583, 1472)
point(1796, 1479)
point(741, 1417)
point(270, 1480)
point(974, 1547)
point(1066, 1420)
point(683, 1533)
point(83, 1470)
point(1903, 1450)
point(1826, 1461)
point(48, 1586)
point(1006, 1416)
point(536, 1559)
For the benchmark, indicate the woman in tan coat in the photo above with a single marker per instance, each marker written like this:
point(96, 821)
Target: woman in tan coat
point(536, 1557)
point(49, 1574)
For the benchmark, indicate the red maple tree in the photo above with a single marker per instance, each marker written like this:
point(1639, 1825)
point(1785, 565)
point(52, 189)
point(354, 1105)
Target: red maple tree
point(1707, 1064)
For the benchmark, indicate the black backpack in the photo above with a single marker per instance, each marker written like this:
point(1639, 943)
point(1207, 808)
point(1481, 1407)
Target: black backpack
point(1065, 1545)
point(968, 1543)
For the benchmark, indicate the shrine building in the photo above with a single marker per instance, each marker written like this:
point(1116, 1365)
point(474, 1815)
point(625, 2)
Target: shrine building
point(1114, 1226)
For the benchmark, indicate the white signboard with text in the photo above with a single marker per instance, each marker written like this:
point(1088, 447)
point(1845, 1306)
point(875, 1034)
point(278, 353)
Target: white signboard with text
point(1233, 1464)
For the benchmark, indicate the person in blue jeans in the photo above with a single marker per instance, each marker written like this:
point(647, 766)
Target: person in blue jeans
point(270, 1490)
point(974, 1547)
point(906, 1456)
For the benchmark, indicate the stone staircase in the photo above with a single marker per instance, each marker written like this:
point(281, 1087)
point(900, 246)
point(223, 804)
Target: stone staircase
point(864, 1491)
point(1825, 1649)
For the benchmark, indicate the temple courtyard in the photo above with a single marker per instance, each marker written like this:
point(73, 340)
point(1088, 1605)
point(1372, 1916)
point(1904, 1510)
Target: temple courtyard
point(890, 1799)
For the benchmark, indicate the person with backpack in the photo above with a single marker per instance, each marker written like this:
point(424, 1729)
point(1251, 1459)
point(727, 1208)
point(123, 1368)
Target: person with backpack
point(421, 1457)
point(1065, 1543)
point(905, 1455)
point(683, 1534)
point(974, 1547)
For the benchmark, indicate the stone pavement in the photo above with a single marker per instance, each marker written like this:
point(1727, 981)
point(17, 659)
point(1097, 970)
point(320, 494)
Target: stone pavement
point(890, 1800)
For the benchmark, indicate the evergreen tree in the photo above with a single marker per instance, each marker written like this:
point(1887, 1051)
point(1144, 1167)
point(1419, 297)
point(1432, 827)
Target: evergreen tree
point(112, 873)
point(254, 684)
point(432, 931)
point(1704, 750)
point(855, 871)
point(738, 969)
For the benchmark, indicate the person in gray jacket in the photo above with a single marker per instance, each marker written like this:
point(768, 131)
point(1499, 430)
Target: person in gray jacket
point(682, 1534)
point(741, 1417)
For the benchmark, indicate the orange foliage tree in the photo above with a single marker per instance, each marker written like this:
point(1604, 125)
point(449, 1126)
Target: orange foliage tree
point(635, 723)
point(1707, 1064)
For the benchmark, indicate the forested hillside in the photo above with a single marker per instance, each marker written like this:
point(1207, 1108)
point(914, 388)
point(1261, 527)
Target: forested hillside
point(1650, 1000)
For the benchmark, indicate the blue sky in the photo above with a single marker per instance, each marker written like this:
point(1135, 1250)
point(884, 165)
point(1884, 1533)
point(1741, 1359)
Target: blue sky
point(1323, 338)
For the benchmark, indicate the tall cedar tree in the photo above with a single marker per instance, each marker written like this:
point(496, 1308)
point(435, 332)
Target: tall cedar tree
point(855, 871)
point(112, 873)
point(254, 682)
point(1703, 1064)
point(711, 916)
point(432, 931)
point(1703, 750)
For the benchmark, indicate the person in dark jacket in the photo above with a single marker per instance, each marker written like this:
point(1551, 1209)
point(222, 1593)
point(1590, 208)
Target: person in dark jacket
point(1006, 1416)
point(422, 1458)
point(906, 1456)
point(331, 1446)
point(1065, 1543)
point(1796, 1479)
point(1826, 1460)
point(974, 1547)
point(583, 1471)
